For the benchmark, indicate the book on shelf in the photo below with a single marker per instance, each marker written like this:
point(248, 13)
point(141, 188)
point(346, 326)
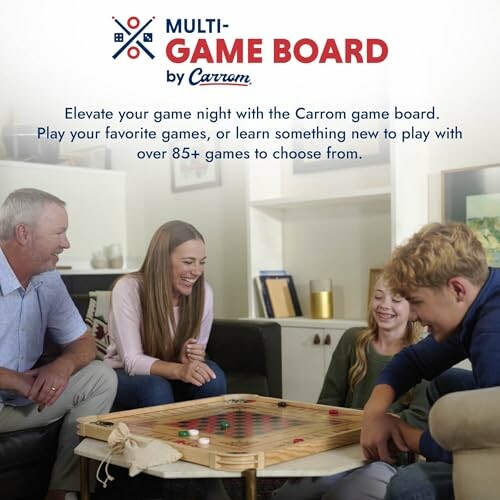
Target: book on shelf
point(279, 296)
point(264, 309)
point(275, 272)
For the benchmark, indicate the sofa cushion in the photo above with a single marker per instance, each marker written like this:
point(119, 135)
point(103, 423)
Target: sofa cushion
point(97, 320)
point(249, 352)
point(26, 459)
point(247, 383)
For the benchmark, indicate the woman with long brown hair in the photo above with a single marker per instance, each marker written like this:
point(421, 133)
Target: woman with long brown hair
point(160, 323)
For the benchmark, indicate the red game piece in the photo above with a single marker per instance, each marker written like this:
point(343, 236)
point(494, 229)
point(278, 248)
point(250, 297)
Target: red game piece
point(333, 412)
point(298, 440)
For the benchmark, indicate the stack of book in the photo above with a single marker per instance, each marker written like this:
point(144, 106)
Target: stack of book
point(277, 294)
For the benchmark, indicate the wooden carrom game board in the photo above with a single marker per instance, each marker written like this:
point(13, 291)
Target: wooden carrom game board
point(245, 431)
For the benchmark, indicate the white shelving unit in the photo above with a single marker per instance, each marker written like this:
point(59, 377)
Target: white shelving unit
point(340, 237)
point(359, 196)
point(85, 271)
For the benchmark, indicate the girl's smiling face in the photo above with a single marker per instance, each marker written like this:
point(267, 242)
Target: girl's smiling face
point(391, 312)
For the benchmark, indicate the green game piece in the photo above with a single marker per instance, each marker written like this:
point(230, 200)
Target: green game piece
point(225, 425)
point(183, 434)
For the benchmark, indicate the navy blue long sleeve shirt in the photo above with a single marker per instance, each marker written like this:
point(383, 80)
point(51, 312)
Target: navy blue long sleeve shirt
point(477, 338)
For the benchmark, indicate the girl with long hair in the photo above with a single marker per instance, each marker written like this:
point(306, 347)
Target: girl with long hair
point(362, 353)
point(359, 357)
point(160, 322)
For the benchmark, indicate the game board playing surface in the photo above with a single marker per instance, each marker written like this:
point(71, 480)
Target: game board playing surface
point(244, 431)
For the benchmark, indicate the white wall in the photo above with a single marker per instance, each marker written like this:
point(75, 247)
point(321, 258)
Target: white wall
point(95, 204)
point(453, 67)
point(217, 212)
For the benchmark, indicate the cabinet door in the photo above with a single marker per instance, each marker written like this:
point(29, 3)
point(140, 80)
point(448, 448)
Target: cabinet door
point(303, 358)
point(330, 340)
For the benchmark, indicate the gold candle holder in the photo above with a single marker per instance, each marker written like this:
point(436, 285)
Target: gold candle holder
point(321, 299)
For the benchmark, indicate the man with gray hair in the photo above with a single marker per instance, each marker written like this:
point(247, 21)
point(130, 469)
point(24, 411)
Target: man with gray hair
point(34, 304)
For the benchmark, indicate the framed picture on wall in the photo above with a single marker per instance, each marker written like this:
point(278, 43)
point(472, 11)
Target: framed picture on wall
point(472, 195)
point(194, 173)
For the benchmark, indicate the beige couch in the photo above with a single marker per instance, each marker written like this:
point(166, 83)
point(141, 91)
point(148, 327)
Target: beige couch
point(468, 424)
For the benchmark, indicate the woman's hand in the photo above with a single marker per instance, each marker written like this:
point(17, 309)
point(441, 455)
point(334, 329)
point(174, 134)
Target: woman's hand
point(196, 373)
point(192, 351)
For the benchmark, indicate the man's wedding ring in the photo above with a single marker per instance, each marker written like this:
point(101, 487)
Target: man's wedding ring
point(53, 389)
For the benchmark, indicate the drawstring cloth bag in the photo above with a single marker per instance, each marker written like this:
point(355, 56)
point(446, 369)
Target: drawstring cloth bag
point(138, 452)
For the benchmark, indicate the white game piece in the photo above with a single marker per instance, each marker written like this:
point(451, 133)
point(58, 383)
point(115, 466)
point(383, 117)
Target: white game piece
point(194, 433)
point(204, 442)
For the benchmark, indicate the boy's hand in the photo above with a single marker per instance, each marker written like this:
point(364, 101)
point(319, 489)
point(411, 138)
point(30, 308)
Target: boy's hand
point(380, 432)
point(411, 436)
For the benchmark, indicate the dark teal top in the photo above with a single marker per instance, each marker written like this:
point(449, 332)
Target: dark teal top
point(336, 391)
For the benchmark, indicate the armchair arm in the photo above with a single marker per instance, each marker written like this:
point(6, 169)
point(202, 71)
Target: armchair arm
point(248, 346)
point(467, 419)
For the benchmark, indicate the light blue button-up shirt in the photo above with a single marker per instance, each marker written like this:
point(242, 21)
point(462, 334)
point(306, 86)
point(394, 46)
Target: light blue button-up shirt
point(27, 315)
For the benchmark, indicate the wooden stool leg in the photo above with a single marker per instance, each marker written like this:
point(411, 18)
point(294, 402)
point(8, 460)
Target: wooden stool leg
point(250, 476)
point(84, 478)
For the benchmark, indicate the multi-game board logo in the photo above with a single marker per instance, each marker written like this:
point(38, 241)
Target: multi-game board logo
point(190, 43)
point(130, 38)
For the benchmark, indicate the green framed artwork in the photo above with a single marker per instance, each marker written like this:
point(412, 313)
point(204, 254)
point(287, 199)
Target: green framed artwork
point(472, 195)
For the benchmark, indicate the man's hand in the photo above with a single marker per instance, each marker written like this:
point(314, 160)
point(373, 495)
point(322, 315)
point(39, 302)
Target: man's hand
point(380, 433)
point(19, 382)
point(22, 383)
point(49, 381)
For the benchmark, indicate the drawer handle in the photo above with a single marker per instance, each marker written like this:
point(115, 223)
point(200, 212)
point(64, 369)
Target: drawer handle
point(316, 340)
point(328, 339)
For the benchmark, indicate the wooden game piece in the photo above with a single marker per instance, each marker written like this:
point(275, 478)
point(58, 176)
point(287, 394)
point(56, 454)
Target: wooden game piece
point(183, 434)
point(194, 433)
point(333, 411)
point(298, 440)
point(204, 442)
point(225, 425)
point(282, 404)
